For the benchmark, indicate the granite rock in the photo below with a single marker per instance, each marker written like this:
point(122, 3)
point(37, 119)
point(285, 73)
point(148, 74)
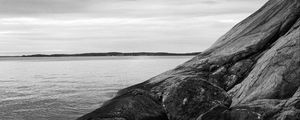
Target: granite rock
point(256, 65)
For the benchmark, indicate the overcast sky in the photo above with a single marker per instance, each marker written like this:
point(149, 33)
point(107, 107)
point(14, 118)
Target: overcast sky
point(78, 26)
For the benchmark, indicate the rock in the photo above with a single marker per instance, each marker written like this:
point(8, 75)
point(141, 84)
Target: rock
point(256, 110)
point(242, 114)
point(215, 113)
point(219, 72)
point(192, 98)
point(290, 109)
point(259, 110)
point(111, 119)
point(265, 109)
point(240, 68)
point(256, 62)
point(216, 77)
point(276, 74)
point(289, 115)
point(230, 81)
point(134, 105)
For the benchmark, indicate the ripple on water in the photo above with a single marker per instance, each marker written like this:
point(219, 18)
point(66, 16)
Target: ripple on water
point(66, 89)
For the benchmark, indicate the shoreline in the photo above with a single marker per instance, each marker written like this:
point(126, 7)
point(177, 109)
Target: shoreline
point(109, 54)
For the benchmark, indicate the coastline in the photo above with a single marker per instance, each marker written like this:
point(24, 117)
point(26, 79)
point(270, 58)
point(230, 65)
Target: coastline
point(109, 54)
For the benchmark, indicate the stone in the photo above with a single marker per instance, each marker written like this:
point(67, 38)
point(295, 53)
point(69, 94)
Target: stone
point(112, 119)
point(276, 74)
point(216, 77)
point(219, 72)
point(133, 105)
point(242, 114)
point(215, 113)
point(230, 81)
point(241, 67)
point(192, 98)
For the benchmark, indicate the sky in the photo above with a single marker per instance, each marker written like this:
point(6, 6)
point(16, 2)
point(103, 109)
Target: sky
point(80, 26)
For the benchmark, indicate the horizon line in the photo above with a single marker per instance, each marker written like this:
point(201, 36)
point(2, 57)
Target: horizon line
point(104, 54)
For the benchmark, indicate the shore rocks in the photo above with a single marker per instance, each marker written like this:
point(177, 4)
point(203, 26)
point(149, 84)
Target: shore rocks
point(276, 74)
point(192, 98)
point(133, 105)
point(256, 65)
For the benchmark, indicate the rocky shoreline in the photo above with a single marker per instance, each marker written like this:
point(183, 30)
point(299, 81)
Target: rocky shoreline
point(251, 73)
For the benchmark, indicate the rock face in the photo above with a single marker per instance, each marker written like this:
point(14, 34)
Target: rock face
point(136, 104)
point(192, 98)
point(251, 73)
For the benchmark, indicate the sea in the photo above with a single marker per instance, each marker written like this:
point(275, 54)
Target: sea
point(65, 88)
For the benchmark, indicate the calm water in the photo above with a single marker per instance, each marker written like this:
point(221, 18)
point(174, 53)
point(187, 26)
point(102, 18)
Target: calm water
point(67, 87)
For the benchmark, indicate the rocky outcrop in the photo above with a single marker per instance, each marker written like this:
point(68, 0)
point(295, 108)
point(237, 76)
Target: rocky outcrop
point(136, 104)
point(193, 97)
point(250, 73)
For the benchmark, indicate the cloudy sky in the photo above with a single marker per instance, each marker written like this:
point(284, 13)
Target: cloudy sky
point(78, 26)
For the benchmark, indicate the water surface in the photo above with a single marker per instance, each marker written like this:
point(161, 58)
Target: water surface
point(64, 88)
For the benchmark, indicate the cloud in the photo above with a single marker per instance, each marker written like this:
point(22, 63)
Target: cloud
point(76, 26)
point(73, 22)
point(128, 8)
point(23, 7)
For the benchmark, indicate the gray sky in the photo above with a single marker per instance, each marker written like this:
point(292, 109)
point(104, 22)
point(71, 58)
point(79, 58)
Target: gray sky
point(78, 26)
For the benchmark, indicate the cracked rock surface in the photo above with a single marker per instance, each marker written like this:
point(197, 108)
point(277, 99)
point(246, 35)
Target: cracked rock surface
point(250, 73)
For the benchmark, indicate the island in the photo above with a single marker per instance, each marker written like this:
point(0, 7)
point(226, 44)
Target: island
point(115, 54)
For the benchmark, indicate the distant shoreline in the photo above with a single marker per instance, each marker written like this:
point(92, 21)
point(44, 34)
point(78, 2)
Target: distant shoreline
point(110, 54)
